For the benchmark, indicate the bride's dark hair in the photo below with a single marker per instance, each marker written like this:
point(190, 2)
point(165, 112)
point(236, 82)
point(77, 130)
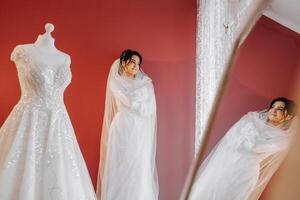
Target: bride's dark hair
point(290, 106)
point(127, 55)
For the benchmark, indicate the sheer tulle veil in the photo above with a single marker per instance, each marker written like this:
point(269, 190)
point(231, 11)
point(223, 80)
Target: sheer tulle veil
point(138, 97)
point(244, 160)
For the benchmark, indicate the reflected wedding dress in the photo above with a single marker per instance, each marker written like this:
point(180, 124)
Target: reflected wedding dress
point(242, 163)
point(39, 155)
point(128, 142)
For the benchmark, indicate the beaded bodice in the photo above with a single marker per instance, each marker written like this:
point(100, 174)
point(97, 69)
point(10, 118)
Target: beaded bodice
point(43, 76)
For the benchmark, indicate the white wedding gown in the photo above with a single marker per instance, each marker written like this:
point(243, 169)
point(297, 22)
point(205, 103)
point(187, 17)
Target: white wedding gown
point(39, 155)
point(242, 163)
point(128, 142)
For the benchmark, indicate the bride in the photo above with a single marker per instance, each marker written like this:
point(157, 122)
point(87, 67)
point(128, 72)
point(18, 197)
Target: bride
point(127, 168)
point(242, 163)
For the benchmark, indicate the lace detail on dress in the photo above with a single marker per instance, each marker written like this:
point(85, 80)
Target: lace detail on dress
point(39, 154)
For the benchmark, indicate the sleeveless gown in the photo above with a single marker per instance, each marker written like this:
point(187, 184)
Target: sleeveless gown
point(39, 155)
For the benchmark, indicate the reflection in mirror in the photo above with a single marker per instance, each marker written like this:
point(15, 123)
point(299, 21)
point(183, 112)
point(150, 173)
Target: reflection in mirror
point(253, 128)
point(285, 182)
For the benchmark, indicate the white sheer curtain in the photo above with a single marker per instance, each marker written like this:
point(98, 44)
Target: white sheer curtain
point(218, 22)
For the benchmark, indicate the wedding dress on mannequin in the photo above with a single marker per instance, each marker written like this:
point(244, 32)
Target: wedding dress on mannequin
point(39, 155)
point(128, 142)
point(242, 163)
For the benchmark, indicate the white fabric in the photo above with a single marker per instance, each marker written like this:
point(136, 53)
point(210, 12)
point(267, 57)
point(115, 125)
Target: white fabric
point(128, 142)
point(242, 163)
point(218, 23)
point(39, 155)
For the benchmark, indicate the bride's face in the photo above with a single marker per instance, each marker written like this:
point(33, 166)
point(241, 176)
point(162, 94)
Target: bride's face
point(277, 114)
point(132, 66)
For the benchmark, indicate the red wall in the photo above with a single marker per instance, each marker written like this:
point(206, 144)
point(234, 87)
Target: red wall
point(94, 33)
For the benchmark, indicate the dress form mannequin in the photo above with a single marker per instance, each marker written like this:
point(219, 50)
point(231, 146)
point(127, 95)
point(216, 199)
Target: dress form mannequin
point(40, 158)
point(45, 48)
point(46, 40)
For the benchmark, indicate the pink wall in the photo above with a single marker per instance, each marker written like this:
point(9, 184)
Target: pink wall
point(94, 33)
point(265, 69)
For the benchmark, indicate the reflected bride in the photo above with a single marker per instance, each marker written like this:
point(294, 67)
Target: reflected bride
point(244, 160)
point(128, 142)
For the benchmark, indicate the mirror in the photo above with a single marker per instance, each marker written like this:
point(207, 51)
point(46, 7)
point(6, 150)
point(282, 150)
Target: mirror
point(247, 149)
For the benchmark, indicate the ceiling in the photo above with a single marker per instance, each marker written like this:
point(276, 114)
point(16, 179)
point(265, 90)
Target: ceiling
point(285, 12)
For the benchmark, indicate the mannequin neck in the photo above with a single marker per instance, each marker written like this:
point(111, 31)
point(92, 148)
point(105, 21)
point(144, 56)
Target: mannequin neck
point(45, 41)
